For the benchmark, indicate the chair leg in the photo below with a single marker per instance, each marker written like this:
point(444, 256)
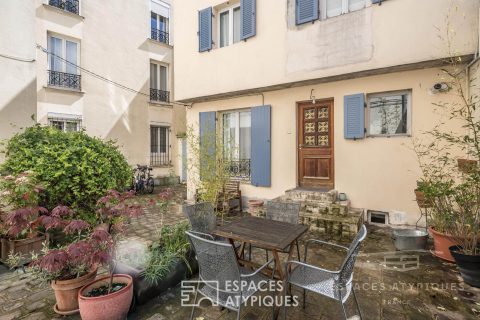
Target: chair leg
point(250, 252)
point(304, 298)
point(266, 253)
point(239, 309)
point(356, 302)
point(343, 306)
point(194, 303)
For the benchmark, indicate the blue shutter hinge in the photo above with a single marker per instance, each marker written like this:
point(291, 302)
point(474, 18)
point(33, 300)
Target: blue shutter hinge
point(364, 130)
point(365, 104)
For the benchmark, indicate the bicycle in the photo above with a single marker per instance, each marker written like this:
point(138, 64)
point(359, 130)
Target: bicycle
point(142, 181)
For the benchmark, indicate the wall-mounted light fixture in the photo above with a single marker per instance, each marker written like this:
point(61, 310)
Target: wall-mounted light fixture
point(312, 97)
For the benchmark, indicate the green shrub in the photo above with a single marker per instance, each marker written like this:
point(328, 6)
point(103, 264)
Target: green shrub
point(74, 168)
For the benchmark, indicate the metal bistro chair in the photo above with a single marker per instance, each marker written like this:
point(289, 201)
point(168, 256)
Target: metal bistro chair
point(285, 212)
point(336, 285)
point(221, 279)
point(202, 216)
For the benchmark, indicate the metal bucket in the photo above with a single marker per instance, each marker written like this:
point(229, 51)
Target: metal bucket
point(408, 239)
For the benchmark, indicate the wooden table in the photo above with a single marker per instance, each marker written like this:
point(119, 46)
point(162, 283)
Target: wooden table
point(275, 236)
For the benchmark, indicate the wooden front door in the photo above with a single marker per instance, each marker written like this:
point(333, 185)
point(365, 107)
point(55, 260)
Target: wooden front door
point(315, 144)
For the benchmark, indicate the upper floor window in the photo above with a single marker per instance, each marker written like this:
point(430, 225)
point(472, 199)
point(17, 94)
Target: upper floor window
point(333, 8)
point(159, 21)
point(389, 113)
point(229, 26)
point(63, 62)
point(72, 6)
point(159, 82)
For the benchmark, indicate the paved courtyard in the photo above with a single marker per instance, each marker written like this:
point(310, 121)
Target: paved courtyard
point(432, 290)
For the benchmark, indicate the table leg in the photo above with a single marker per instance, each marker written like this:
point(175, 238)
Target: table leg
point(278, 264)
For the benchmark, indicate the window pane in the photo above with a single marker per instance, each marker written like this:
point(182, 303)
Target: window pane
point(163, 140)
point(153, 139)
point(388, 114)
point(55, 47)
point(236, 25)
point(229, 134)
point(153, 76)
point(71, 126)
point(71, 57)
point(245, 135)
point(224, 30)
point(153, 20)
point(354, 5)
point(163, 78)
point(334, 8)
point(57, 124)
point(163, 24)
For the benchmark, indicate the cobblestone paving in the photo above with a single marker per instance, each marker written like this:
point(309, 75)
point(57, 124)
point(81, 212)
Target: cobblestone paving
point(433, 291)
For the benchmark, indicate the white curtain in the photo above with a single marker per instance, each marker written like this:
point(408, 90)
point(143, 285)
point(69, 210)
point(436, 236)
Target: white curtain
point(236, 25)
point(71, 56)
point(55, 47)
point(245, 135)
point(224, 30)
point(153, 76)
point(163, 78)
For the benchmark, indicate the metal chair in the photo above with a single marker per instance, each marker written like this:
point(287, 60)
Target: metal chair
point(336, 285)
point(219, 272)
point(202, 216)
point(285, 212)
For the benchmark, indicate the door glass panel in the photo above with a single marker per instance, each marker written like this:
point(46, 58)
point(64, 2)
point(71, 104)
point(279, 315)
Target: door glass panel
point(153, 76)
point(334, 8)
point(224, 30)
point(245, 135)
point(229, 134)
point(153, 20)
point(163, 78)
point(55, 47)
point(236, 25)
point(71, 56)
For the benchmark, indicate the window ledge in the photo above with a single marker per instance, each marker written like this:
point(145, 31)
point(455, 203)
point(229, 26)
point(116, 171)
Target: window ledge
point(65, 12)
point(53, 88)
point(162, 44)
point(160, 104)
point(162, 166)
point(401, 135)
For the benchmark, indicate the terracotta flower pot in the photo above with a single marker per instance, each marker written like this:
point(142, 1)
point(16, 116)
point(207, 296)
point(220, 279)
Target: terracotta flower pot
point(442, 242)
point(421, 200)
point(66, 292)
point(113, 306)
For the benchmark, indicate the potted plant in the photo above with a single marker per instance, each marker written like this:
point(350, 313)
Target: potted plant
point(166, 262)
point(449, 163)
point(19, 199)
point(110, 297)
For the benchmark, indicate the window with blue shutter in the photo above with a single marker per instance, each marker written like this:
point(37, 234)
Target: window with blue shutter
point(306, 11)
point(207, 123)
point(248, 19)
point(205, 29)
point(261, 146)
point(378, 1)
point(354, 116)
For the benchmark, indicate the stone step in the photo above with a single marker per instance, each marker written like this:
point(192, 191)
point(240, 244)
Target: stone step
point(302, 195)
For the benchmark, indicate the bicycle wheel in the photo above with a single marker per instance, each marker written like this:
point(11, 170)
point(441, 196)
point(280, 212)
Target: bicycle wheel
point(150, 185)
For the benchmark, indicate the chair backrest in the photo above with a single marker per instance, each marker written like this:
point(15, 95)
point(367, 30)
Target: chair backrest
point(283, 211)
point(216, 262)
point(231, 186)
point(202, 217)
point(346, 270)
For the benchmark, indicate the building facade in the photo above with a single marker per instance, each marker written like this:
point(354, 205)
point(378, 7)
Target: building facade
point(107, 67)
point(323, 94)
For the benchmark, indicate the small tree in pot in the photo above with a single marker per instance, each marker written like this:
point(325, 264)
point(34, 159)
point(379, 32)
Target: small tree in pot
point(19, 208)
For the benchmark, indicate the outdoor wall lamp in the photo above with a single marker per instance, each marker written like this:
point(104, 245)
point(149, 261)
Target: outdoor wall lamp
point(312, 97)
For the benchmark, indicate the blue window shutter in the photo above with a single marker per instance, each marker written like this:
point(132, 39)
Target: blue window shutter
point(248, 20)
point(306, 11)
point(354, 115)
point(261, 146)
point(207, 140)
point(205, 29)
point(378, 1)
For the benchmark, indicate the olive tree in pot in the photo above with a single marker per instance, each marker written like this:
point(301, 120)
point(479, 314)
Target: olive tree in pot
point(110, 297)
point(451, 183)
point(19, 208)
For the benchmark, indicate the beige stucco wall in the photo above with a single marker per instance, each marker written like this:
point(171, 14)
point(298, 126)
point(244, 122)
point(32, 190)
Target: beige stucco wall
point(397, 32)
point(376, 173)
point(114, 44)
point(17, 66)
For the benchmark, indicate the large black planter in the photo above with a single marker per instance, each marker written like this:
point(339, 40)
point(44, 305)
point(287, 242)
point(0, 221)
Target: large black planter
point(144, 290)
point(469, 266)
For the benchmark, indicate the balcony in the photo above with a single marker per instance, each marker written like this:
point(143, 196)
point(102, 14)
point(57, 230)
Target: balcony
point(72, 6)
point(157, 95)
point(64, 80)
point(159, 35)
point(240, 169)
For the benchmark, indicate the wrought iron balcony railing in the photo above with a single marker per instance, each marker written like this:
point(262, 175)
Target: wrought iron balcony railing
point(240, 169)
point(64, 80)
point(159, 95)
point(159, 35)
point(72, 6)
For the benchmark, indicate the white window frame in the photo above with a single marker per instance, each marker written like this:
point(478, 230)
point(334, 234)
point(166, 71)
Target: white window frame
point(158, 64)
point(65, 120)
point(167, 24)
point(345, 8)
point(230, 25)
point(167, 154)
point(408, 92)
point(64, 52)
point(237, 130)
